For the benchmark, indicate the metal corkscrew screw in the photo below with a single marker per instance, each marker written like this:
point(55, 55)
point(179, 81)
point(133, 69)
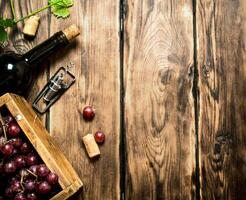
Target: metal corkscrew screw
point(54, 89)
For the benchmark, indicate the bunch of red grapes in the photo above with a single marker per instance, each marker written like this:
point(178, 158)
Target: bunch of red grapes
point(23, 174)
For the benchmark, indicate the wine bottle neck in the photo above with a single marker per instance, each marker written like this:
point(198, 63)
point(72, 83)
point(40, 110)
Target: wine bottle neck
point(46, 49)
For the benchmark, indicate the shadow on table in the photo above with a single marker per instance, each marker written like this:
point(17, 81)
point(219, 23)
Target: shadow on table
point(78, 195)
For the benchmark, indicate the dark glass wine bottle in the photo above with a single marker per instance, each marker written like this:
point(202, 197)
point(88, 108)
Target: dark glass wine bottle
point(16, 70)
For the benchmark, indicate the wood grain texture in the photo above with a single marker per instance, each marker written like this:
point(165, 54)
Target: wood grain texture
point(221, 29)
point(96, 58)
point(159, 115)
point(159, 108)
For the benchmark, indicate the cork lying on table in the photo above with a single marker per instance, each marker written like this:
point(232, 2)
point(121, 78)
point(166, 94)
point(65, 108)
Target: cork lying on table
point(31, 25)
point(91, 145)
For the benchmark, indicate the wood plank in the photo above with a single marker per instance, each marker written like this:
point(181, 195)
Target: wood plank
point(96, 56)
point(159, 108)
point(221, 28)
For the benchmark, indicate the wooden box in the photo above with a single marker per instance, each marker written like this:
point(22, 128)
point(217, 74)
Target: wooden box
point(44, 144)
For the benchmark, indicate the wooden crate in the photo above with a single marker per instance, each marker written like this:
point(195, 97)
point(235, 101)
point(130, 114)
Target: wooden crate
point(44, 144)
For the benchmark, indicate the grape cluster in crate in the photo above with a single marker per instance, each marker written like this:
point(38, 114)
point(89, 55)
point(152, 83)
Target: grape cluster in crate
point(23, 174)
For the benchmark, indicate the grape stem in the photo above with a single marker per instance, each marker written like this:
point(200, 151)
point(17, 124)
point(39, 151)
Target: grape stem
point(22, 176)
point(13, 9)
point(3, 126)
point(32, 173)
point(35, 12)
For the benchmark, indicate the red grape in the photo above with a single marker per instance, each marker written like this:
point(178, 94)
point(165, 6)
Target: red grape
point(8, 119)
point(31, 159)
point(20, 161)
point(43, 187)
point(88, 113)
point(13, 129)
point(33, 169)
point(7, 149)
point(42, 170)
point(31, 196)
point(30, 185)
point(15, 151)
point(52, 178)
point(99, 137)
point(16, 186)
point(10, 167)
point(20, 196)
point(25, 148)
point(16, 142)
point(9, 192)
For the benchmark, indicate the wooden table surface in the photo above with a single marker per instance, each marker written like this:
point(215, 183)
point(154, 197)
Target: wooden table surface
point(168, 82)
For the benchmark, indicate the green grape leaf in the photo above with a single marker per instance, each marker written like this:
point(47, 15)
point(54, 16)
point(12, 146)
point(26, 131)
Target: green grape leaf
point(6, 22)
point(64, 3)
point(60, 11)
point(3, 34)
point(60, 8)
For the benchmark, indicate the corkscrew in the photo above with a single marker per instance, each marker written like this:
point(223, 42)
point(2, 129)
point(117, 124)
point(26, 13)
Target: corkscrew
point(61, 81)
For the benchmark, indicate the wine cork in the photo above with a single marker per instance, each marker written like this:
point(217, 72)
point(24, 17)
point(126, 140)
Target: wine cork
point(71, 32)
point(31, 25)
point(91, 145)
